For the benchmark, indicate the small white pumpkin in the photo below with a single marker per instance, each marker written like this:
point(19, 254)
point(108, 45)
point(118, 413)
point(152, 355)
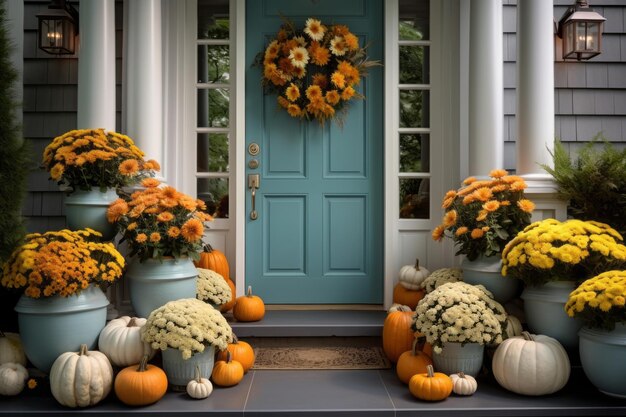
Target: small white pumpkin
point(531, 364)
point(199, 387)
point(13, 378)
point(81, 379)
point(411, 276)
point(399, 307)
point(121, 341)
point(463, 384)
point(513, 326)
point(11, 349)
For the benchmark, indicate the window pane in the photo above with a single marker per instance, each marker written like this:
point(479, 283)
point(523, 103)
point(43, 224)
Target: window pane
point(414, 61)
point(213, 19)
point(414, 152)
point(414, 108)
point(414, 20)
point(214, 192)
point(213, 107)
point(212, 152)
point(213, 64)
point(414, 198)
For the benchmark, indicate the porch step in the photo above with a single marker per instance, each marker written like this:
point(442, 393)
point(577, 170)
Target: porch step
point(318, 323)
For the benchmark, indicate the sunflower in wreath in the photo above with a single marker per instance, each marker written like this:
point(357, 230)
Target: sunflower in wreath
point(314, 71)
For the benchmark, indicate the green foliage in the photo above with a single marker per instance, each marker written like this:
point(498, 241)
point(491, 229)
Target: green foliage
point(594, 182)
point(14, 152)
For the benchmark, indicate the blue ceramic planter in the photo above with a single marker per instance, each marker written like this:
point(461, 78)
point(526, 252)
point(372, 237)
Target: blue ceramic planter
point(88, 209)
point(50, 326)
point(153, 283)
point(487, 272)
point(180, 371)
point(603, 358)
point(455, 357)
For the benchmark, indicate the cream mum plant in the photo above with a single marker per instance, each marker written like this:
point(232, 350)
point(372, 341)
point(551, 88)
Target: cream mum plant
point(459, 312)
point(441, 276)
point(188, 325)
point(212, 288)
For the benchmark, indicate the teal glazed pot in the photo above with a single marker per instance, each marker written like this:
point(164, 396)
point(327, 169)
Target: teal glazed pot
point(486, 271)
point(180, 371)
point(88, 209)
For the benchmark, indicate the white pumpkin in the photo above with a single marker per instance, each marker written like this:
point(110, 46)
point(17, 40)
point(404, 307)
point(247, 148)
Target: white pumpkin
point(531, 364)
point(411, 276)
point(399, 307)
point(121, 341)
point(513, 326)
point(81, 379)
point(13, 377)
point(11, 349)
point(463, 384)
point(199, 387)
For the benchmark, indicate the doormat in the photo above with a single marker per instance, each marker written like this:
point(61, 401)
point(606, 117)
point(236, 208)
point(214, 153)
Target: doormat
point(318, 353)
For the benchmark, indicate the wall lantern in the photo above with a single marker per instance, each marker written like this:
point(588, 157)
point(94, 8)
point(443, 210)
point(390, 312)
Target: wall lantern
point(581, 30)
point(58, 27)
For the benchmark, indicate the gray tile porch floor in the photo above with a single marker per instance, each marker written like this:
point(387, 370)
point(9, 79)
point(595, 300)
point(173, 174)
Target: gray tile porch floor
point(336, 392)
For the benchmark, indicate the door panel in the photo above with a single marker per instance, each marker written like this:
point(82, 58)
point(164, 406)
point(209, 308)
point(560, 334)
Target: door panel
point(318, 235)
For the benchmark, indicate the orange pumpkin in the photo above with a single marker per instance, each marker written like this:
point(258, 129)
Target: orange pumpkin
point(402, 295)
point(240, 351)
point(215, 260)
point(141, 384)
point(397, 333)
point(227, 373)
point(412, 362)
point(249, 307)
point(431, 386)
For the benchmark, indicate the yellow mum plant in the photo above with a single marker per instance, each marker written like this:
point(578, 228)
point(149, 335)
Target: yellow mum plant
point(599, 301)
point(62, 263)
point(159, 221)
point(483, 215)
point(550, 250)
point(314, 70)
point(188, 325)
point(94, 158)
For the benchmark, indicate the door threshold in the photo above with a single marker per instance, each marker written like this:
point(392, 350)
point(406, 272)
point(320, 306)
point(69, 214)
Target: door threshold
point(317, 307)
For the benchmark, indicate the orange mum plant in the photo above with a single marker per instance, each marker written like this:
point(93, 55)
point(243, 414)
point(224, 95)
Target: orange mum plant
point(159, 221)
point(62, 263)
point(94, 158)
point(483, 215)
point(314, 71)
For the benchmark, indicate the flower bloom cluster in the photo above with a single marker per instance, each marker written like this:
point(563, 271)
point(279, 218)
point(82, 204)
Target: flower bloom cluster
point(212, 287)
point(82, 159)
point(459, 312)
point(62, 263)
point(550, 250)
point(483, 215)
point(329, 56)
point(440, 277)
point(188, 325)
point(160, 221)
point(600, 301)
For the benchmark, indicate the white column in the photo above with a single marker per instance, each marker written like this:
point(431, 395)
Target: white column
point(535, 106)
point(143, 70)
point(486, 112)
point(535, 86)
point(96, 65)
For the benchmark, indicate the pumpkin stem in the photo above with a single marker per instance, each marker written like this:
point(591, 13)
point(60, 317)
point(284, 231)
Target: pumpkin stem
point(249, 290)
point(430, 371)
point(143, 365)
point(461, 374)
point(528, 336)
point(208, 248)
point(414, 346)
point(417, 264)
point(82, 350)
point(228, 356)
point(132, 322)
point(235, 339)
point(198, 378)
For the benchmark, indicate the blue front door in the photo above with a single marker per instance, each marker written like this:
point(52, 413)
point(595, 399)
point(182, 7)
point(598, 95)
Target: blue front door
point(318, 234)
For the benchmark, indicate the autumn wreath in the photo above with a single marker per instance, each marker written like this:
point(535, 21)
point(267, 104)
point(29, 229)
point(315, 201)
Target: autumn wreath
point(314, 71)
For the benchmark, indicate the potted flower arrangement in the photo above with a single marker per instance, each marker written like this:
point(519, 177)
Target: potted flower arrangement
point(599, 303)
point(212, 288)
point(62, 306)
point(551, 257)
point(481, 217)
point(458, 319)
point(314, 70)
point(441, 276)
point(90, 165)
point(163, 230)
point(187, 331)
